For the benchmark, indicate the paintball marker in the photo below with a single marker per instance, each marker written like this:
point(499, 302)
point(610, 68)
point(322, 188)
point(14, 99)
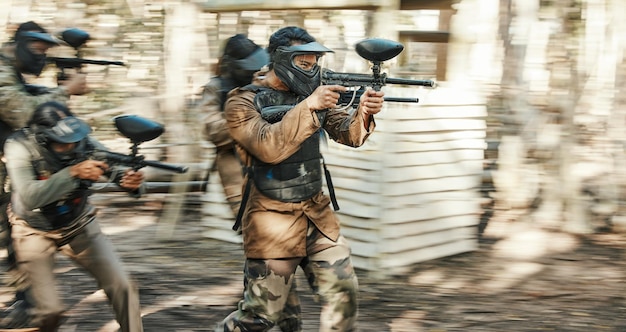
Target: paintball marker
point(138, 130)
point(76, 38)
point(375, 50)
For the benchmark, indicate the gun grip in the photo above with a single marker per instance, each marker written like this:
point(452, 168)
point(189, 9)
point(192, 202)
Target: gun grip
point(61, 76)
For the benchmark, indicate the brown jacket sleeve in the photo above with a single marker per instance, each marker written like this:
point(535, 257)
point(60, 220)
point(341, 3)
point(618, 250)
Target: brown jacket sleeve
point(347, 128)
point(273, 143)
point(270, 143)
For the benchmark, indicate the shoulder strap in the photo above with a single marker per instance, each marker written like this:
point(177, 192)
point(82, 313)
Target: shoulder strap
point(28, 140)
point(244, 198)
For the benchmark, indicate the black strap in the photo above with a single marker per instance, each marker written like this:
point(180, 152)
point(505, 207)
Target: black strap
point(244, 200)
point(331, 188)
point(28, 139)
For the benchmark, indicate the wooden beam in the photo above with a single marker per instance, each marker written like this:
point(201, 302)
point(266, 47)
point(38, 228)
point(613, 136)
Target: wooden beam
point(426, 36)
point(241, 5)
point(427, 4)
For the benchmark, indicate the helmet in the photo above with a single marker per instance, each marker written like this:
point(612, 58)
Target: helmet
point(302, 82)
point(241, 59)
point(28, 61)
point(33, 31)
point(68, 130)
point(284, 45)
point(52, 122)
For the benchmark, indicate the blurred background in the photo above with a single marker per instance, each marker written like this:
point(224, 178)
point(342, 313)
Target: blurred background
point(526, 124)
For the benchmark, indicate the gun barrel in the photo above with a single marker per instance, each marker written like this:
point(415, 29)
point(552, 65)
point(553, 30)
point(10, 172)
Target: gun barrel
point(330, 77)
point(77, 62)
point(353, 79)
point(167, 167)
point(401, 100)
point(136, 161)
point(102, 62)
point(428, 83)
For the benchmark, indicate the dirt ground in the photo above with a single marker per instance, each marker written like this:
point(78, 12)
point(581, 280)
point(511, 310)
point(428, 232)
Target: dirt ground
point(521, 279)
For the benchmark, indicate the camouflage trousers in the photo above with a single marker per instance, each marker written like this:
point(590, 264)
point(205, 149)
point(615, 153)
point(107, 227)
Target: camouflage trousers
point(270, 297)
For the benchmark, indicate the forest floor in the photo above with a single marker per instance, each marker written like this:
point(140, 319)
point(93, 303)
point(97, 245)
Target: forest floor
point(521, 278)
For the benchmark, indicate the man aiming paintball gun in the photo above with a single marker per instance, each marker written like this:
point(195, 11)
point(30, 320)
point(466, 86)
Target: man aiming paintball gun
point(375, 50)
point(76, 38)
point(50, 212)
point(23, 56)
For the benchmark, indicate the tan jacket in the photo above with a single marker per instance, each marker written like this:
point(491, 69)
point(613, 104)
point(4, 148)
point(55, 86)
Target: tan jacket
point(274, 229)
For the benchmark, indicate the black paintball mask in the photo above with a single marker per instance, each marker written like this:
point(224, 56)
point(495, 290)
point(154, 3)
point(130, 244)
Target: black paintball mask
point(300, 81)
point(68, 130)
point(241, 59)
point(242, 70)
point(28, 61)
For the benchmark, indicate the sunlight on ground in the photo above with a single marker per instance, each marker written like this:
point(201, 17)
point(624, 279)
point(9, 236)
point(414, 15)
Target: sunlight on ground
point(430, 277)
point(221, 295)
point(96, 297)
point(137, 223)
point(516, 257)
point(409, 320)
point(512, 274)
point(520, 251)
point(534, 243)
point(210, 296)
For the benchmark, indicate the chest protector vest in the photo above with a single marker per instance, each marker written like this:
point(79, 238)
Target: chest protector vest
point(298, 177)
point(62, 212)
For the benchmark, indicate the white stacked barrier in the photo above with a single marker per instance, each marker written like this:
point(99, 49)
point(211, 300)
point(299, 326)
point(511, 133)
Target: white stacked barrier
point(411, 193)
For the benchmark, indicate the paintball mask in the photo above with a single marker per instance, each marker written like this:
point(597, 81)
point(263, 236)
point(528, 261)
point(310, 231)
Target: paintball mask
point(241, 59)
point(68, 130)
point(300, 81)
point(31, 61)
point(242, 70)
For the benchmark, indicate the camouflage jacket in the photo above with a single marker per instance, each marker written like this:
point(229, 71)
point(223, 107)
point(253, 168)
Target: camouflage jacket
point(16, 104)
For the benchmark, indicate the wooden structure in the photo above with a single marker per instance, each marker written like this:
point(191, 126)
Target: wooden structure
point(412, 192)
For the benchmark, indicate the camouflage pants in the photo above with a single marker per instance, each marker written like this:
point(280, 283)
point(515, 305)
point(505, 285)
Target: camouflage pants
point(270, 298)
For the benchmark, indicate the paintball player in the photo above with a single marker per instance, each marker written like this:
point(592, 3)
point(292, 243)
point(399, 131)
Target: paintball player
point(50, 211)
point(287, 219)
point(25, 54)
point(240, 60)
